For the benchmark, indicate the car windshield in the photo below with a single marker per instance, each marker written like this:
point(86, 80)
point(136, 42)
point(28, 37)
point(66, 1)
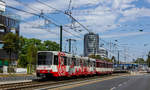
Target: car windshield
point(45, 58)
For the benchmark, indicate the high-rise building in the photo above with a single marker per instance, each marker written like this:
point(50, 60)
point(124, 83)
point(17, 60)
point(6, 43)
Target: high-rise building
point(103, 52)
point(91, 43)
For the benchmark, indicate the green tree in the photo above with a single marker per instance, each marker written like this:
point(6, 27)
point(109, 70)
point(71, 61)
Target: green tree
point(22, 61)
point(113, 59)
point(140, 61)
point(31, 56)
point(28, 46)
point(11, 44)
point(108, 60)
point(51, 46)
point(95, 56)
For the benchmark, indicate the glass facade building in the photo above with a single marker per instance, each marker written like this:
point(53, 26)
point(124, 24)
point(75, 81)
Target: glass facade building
point(91, 44)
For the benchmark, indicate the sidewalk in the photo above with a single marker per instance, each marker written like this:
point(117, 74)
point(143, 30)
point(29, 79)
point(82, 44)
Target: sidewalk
point(15, 74)
point(16, 77)
point(10, 82)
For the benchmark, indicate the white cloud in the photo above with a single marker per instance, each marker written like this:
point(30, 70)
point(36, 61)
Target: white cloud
point(79, 3)
point(32, 29)
point(134, 13)
point(12, 3)
point(148, 1)
point(124, 35)
point(104, 16)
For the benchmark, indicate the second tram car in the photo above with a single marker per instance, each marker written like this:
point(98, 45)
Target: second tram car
point(103, 67)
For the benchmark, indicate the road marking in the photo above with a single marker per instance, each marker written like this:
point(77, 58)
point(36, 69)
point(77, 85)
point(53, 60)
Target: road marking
point(113, 88)
point(119, 85)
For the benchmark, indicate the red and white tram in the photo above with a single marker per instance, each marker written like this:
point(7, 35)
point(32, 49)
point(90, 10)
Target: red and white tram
point(103, 67)
point(60, 64)
point(57, 64)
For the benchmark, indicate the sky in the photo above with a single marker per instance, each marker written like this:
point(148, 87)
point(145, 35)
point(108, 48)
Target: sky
point(121, 24)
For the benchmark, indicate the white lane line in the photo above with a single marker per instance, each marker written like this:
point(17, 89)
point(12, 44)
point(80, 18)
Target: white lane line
point(119, 85)
point(113, 88)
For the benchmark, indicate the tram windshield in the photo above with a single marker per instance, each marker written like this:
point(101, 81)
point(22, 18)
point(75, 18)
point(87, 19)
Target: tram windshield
point(45, 58)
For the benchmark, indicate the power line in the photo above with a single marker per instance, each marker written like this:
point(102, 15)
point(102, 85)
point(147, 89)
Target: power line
point(44, 17)
point(32, 8)
point(49, 6)
point(65, 14)
point(25, 5)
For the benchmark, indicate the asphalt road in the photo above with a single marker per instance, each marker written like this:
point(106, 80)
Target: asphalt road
point(140, 82)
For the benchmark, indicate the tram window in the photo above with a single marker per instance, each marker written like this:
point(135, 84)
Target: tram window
point(65, 60)
point(86, 63)
point(68, 62)
point(97, 64)
point(81, 62)
point(45, 58)
point(77, 62)
point(111, 65)
point(74, 61)
point(90, 64)
point(94, 63)
point(55, 60)
point(103, 65)
point(100, 65)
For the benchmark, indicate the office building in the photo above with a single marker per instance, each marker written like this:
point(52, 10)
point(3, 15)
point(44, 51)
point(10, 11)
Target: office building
point(91, 43)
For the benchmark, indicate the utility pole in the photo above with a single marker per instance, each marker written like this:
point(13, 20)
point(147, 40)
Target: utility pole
point(118, 57)
point(61, 38)
point(110, 49)
point(69, 40)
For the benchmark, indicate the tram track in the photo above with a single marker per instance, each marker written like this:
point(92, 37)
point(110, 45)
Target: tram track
point(41, 84)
